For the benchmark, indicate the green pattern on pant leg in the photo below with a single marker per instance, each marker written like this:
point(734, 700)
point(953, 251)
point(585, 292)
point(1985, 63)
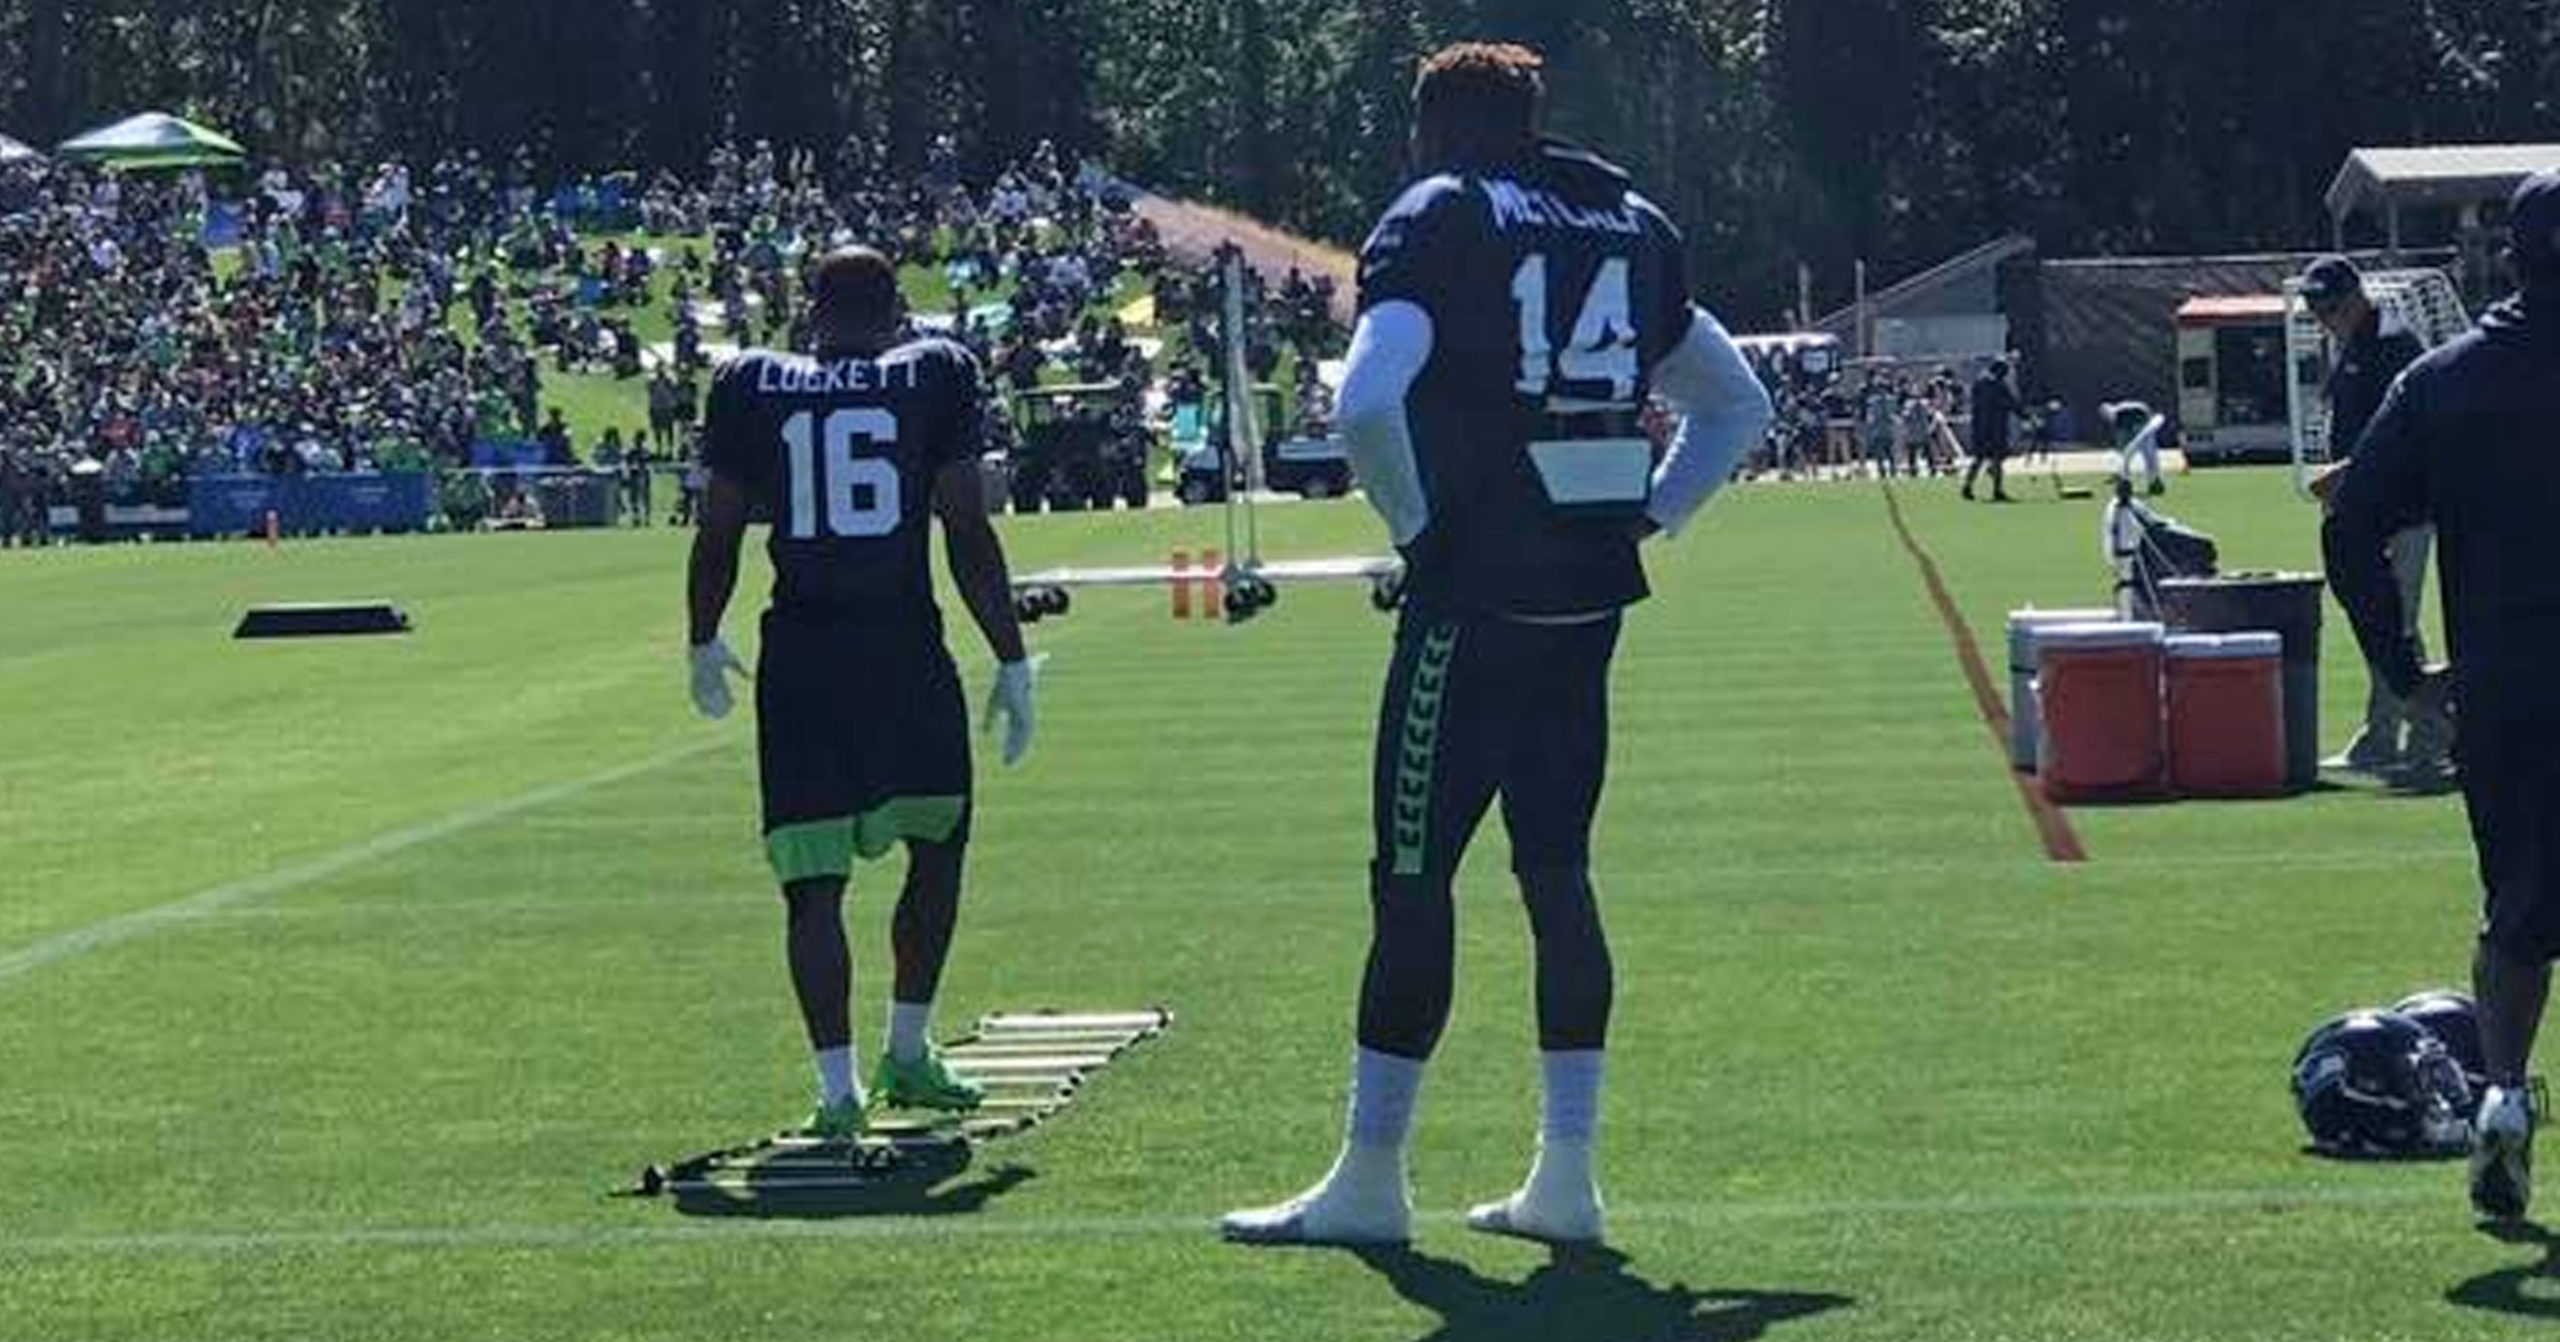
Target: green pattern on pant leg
point(1417, 748)
point(811, 850)
point(822, 848)
point(901, 819)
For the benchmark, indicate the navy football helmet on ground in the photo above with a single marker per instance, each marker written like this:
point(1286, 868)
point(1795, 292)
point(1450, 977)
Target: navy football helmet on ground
point(2451, 1017)
point(2376, 1083)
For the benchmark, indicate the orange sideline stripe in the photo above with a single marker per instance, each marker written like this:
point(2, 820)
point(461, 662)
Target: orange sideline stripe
point(2060, 843)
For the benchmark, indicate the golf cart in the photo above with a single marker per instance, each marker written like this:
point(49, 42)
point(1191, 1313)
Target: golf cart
point(1309, 465)
point(1309, 460)
point(1078, 447)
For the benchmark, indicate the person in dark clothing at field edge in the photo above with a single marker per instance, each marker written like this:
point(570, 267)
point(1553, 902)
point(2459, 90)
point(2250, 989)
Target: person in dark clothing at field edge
point(2469, 439)
point(2374, 348)
point(1994, 406)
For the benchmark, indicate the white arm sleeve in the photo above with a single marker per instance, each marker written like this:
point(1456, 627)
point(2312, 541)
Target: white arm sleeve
point(1389, 350)
point(1723, 410)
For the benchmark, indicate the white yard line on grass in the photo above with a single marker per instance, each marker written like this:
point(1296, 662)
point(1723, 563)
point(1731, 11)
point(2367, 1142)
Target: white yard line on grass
point(1202, 1225)
point(726, 906)
point(267, 885)
point(1321, 892)
point(232, 894)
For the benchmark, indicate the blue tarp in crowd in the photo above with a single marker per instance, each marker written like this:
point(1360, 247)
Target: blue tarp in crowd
point(233, 505)
point(490, 455)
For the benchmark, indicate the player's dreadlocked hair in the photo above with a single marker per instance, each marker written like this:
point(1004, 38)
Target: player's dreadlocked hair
point(1483, 98)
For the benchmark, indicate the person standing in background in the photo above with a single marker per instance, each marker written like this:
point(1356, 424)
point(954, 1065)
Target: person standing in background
point(1994, 407)
point(1876, 420)
point(636, 466)
point(2374, 347)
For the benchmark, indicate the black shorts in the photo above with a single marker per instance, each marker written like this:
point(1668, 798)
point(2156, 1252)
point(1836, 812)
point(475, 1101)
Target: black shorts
point(2511, 779)
point(1483, 708)
point(862, 740)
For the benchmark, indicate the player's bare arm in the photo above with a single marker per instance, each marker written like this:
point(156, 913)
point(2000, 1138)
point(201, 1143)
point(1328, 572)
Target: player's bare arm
point(978, 569)
point(976, 555)
point(711, 579)
point(712, 576)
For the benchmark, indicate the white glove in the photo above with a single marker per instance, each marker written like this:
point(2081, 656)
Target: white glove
point(1011, 701)
point(713, 664)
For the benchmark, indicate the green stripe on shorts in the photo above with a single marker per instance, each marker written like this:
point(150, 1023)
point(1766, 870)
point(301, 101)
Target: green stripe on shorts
point(816, 849)
point(1417, 747)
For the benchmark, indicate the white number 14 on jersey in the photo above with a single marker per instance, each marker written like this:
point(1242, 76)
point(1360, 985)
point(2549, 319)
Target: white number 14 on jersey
point(1603, 350)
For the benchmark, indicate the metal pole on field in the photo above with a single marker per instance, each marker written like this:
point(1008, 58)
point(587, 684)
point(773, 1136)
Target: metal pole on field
point(1804, 295)
point(1866, 334)
point(1244, 423)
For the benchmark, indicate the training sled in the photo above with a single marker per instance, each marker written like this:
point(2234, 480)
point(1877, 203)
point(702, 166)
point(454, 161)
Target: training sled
point(336, 619)
point(1031, 1063)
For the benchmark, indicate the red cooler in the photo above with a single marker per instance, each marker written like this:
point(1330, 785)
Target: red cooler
point(2098, 690)
point(2226, 715)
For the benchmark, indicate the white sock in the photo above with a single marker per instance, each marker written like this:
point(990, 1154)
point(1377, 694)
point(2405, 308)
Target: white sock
point(1572, 1114)
point(835, 1076)
point(909, 1024)
point(1367, 1174)
point(1383, 1090)
point(1561, 1169)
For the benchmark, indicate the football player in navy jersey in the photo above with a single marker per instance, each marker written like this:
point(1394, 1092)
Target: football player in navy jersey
point(862, 737)
point(1520, 306)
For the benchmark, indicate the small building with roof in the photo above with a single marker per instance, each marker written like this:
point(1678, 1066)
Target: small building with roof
point(2191, 331)
point(1948, 313)
point(2439, 196)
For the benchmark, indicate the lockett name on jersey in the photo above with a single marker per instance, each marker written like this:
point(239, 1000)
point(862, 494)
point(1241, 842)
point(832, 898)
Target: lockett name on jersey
point(785, 375)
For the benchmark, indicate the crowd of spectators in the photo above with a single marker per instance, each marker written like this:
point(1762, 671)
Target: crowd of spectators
point(1877, 418)
point(321, 323)
point(321, 320)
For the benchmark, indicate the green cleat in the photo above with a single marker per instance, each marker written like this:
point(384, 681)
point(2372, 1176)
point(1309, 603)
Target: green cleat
point(926, 1083)
point(842, 1121)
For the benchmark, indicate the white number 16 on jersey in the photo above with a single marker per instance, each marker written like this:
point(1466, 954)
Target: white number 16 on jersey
point(861, 493)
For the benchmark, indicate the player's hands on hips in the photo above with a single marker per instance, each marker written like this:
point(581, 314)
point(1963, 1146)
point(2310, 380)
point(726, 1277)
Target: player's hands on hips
point(713, 664)
point(1011, 700)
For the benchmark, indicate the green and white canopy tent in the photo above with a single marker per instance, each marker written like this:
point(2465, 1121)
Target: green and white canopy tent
point(154, 140)
point(11, 151)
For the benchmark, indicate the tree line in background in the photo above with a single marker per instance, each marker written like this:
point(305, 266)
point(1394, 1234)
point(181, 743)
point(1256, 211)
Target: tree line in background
point(1781, 132)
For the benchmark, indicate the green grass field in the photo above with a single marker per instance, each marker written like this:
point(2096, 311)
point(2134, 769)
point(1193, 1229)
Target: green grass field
point(340, 982)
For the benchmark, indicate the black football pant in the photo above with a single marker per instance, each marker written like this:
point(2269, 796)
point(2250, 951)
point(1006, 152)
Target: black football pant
point(2511, 782)
point(1479, 710)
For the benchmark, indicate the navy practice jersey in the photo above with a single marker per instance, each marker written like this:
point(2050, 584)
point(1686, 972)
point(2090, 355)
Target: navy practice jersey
point(840, 456)
point(1553, 290)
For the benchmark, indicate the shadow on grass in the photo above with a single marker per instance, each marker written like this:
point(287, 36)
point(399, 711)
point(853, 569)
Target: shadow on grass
point(918, 1186)
point(2512, 1290)
point(1584, 1292)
